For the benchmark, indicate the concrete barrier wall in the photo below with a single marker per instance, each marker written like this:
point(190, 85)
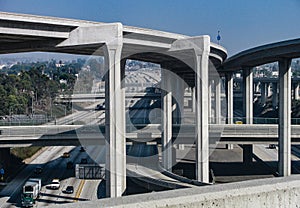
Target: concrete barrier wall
point(274, 192)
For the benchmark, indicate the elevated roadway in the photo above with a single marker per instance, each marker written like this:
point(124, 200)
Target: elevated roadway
point(183, 55)
point(263, 54)
point(27, 33)
point(66, 135)
point(282, 52)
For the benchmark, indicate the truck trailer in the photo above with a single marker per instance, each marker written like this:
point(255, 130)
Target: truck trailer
point(31, 191)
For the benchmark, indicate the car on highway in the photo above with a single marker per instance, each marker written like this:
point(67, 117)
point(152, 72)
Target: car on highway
point(83, 161)
point(82, 149)
point(66, 155)
point(55, 184)
point(100, 107)
point(38, 170)
point(69, 190)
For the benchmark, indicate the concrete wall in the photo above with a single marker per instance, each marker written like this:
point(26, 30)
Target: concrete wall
point(275, 192)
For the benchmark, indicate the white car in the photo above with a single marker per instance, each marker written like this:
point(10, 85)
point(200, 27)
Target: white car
point(55, 184)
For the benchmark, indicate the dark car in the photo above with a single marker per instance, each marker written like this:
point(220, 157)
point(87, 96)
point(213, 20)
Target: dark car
point(272, 146)
point(83, 161)
point(100, 107)
point(38, 170)
point(69, 190)
point(82, 149)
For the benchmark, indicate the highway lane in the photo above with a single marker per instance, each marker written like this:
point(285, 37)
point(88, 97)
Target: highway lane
point(48, 161)
point(55, 167)
point(67, 177)
point(270, 156)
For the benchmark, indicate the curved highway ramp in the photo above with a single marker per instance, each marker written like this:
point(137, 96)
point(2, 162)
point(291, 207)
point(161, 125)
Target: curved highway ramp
point(144, 169)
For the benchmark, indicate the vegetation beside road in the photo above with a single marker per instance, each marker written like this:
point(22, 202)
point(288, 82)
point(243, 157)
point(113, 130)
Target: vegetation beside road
point(24, 152)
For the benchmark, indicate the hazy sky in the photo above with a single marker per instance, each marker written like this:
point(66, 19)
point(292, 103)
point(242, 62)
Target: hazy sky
point(243, 23)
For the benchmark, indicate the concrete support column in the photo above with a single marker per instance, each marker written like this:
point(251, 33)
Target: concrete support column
point(199, 49)
point(5, 158)
point(217, 103)
point(263, 93)
point(248, 95)
point(247, 154)
point(178, 90)
point(248, 110)
point(115, 120)
point(284, 129)
point(274, 95)
point(202, 133)
point(194, 99)
point(229, 96)
point(256, 87)
point(211, 118)
point(296, 91)
point(166, 119)
point(269, 93)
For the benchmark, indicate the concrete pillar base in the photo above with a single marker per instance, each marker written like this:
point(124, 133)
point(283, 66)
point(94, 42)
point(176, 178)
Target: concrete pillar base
point(5, 157)
point(247, 154)
point(229, 146)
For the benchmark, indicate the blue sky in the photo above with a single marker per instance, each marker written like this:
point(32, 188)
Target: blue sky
point(243, 23)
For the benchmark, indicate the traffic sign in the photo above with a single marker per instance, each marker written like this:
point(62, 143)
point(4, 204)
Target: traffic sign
point(1, 171)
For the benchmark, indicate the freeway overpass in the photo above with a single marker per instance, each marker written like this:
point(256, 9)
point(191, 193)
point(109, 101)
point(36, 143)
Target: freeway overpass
point(191, 58)
point(188, 57)
point(68, 135)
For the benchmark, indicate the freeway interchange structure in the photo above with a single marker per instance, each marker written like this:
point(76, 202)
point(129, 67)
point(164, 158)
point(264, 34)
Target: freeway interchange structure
point(193, 63)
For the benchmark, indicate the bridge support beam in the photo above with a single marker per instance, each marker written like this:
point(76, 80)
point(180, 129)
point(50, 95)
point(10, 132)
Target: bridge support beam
point(5, 157)
point(217, 101)
point(263, 93)
point(193, 99)
point(166, 82)
point(199, 48)
point(229, 97)
point(269, 91)
point(202, 133)
point(178, 89)
point(115, 120)
point(248, 95)
point(274, 95)
point(296, 91)
point(248, 110)
point(284, 129)
point(211, 118)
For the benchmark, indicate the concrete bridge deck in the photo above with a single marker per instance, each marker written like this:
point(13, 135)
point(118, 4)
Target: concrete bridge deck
point(65, 135)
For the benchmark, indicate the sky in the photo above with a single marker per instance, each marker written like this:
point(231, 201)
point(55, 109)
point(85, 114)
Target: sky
point(242, 24)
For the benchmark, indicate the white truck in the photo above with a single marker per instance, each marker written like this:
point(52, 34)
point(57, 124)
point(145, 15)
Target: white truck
point(31, 191)
point(55, 184)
